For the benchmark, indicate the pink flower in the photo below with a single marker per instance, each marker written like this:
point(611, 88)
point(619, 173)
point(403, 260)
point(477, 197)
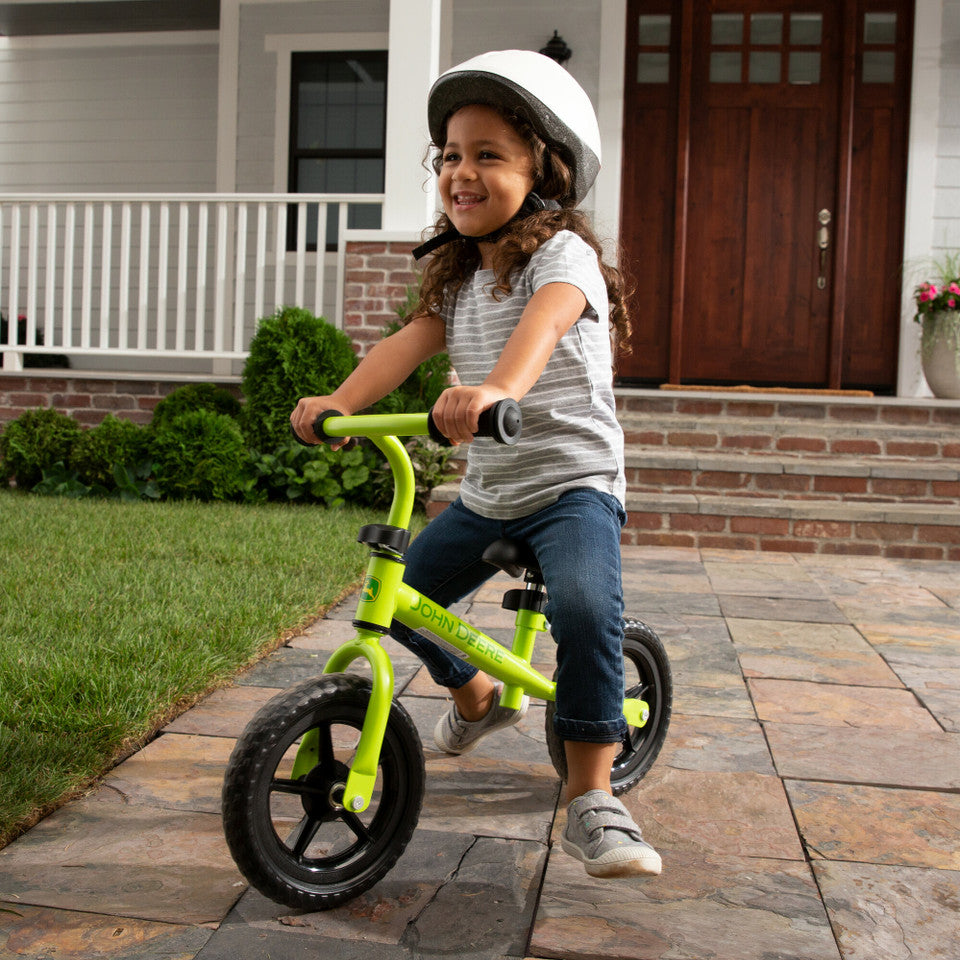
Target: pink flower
point(952, 303)
point(954, 288)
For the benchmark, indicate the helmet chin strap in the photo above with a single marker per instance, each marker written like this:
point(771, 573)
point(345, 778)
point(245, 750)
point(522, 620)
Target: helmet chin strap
point(532, 203)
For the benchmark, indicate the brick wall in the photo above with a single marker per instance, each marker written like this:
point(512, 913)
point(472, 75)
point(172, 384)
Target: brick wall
point(375, 281)
point(88, 399)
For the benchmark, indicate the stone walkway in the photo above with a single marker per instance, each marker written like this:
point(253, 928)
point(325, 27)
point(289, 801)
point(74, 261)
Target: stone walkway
point(806, 804)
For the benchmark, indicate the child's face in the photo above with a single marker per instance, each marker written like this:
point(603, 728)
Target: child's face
point(486, 173)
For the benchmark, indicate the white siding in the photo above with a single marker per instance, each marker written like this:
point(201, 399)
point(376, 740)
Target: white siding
point(946, 212)
point(108, 117)
point(481, 25)
point(257, 87)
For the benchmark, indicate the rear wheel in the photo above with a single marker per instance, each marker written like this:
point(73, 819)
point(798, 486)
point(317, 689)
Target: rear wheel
point(291, 837)
point(647, 677)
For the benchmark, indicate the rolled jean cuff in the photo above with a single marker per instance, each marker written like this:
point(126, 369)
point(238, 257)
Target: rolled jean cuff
point(590, 731)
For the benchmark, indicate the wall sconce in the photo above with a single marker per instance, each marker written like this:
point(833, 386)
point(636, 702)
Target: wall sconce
point(557, 49)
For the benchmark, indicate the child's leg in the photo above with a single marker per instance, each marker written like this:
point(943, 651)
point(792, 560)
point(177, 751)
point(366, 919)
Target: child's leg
point(588, 767)
point(577, 542)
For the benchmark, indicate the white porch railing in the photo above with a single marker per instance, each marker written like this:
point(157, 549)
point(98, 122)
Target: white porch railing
point(167, 277)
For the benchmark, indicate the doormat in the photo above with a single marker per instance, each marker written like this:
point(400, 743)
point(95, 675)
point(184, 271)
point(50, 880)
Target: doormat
point(746, 388)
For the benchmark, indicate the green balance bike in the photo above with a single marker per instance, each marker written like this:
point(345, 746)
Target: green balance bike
point(324, 787)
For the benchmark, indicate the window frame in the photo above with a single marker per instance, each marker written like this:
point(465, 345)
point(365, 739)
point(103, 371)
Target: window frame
point(295, 153)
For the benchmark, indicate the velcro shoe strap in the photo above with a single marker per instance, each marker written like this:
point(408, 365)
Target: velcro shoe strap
point(601, 818)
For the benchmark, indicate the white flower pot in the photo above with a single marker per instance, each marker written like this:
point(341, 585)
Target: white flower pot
point(940, 353)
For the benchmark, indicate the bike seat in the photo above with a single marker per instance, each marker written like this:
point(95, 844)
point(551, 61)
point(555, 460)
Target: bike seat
point(513, 557)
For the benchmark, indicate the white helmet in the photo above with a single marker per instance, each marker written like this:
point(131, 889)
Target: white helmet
point(533, 87)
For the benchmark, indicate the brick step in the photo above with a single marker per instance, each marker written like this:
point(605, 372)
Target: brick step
point(773, 423)
point(919, 531)
point(872, 478)
point(792, 436)
point(794, 472)
point(892, 529)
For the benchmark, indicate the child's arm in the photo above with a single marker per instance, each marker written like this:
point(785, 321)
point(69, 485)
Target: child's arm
point(383, 369)
point(551, 312)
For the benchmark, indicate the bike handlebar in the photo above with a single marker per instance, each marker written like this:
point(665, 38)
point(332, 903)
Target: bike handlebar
point(501, 422)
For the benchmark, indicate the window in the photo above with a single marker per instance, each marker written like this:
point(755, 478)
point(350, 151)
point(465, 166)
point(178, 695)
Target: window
point(767, 48)
point(337, 132)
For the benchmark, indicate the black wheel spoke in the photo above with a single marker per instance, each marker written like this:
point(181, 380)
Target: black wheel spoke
point(303, 835)
point(325, 746)
point(358, 827)
point(299, 788)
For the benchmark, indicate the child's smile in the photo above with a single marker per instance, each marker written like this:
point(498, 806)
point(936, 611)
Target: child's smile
point(487, 172)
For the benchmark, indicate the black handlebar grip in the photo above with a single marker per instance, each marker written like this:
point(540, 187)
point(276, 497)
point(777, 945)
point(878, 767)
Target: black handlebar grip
point(318, 430)
point(502, 422)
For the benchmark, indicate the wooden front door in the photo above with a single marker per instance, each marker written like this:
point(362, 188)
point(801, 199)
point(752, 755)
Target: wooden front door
point(764, 164)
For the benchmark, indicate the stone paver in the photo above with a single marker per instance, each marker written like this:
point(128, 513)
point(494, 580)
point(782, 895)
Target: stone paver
point(806, 802)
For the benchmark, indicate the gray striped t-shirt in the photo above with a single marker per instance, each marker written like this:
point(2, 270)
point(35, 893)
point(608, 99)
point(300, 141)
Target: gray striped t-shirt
point(571, 438)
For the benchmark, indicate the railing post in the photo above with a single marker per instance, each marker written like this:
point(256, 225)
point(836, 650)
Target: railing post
point(81, 300)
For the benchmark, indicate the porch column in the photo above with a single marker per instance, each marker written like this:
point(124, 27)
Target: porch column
point(413, 66)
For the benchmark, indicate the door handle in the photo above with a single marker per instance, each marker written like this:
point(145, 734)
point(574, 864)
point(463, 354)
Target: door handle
point(823, 245)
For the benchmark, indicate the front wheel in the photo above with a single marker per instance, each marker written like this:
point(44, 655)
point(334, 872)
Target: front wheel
point(646, 677)
point(291, 837)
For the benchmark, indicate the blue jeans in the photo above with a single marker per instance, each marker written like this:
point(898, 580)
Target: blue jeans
point(577, 543)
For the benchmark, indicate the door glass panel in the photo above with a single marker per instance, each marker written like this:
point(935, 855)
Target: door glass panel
point(725, 67)
point(726, 28)
point(879, 66)
point(766, 28)
point(880, 28)
point(806, 29)
point(804, 66)
point(879, 31)
point(653, 68)
point(764, 67)
point(654, 31)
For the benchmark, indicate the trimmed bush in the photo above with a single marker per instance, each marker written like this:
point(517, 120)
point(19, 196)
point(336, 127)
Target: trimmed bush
point(292, 355)
point(36, 441)
point(195, 396)
point(317, 474)
point(114, 443)
point(200, 455)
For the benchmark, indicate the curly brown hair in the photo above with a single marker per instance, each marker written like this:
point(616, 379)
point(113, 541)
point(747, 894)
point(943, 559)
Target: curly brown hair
point(454, 262)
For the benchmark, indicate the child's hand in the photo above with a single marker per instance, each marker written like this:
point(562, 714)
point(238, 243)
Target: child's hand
point(306, 412)
point(457, 410)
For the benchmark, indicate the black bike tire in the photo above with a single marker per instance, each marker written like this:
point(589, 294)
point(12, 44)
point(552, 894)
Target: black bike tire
point(646, 654)
point(257, 848)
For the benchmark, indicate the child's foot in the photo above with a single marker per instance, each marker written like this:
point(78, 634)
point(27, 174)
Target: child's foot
point(601, 833)
point(455, 735)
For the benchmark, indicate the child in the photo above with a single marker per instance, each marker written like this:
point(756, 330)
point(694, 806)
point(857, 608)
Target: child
point(516, 292)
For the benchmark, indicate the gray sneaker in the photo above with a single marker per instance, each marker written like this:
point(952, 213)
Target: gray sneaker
point(601, 833)
point(455, 735)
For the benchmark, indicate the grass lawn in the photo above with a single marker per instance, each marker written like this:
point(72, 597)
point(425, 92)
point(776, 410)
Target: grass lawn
point(114, 617)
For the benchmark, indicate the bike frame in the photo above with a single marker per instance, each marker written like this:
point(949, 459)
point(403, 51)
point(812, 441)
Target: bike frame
point(384, 597)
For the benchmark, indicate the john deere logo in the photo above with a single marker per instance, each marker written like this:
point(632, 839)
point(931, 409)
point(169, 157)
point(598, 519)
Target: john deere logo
point(370, 590)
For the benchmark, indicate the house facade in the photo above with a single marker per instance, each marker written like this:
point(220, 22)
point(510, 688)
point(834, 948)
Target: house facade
point(170, 173)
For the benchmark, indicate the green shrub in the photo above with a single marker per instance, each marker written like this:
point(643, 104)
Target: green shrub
point(318, 474)
point(293, 354)
point(35, 441)
point(195, 396)
point(200, 455)
point(97, 452)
